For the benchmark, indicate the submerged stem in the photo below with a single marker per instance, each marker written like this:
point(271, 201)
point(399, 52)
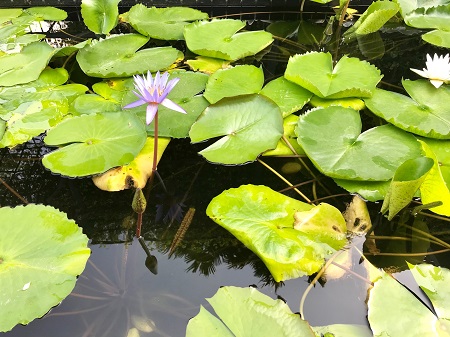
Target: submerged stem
point(285, 180)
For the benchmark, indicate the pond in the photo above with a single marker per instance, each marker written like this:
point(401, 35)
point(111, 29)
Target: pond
point(212, 218)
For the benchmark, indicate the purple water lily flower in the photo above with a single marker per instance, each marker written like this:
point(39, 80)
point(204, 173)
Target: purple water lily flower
point(154, 91)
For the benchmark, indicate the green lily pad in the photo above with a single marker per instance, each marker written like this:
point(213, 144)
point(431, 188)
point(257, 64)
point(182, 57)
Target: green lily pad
point(369, 190)
point(92, 103)
point(25, 66)
point(263, 220)
point(282, 149)
point(41, 254)
point(186, 94)
point(426, 113)
point(239, 80)
point(345, 152)
point(389, 301)
point(434, 187)
point(250, 125)
point(163, 23)
point(94, 143)
point(434, 282)
point(350, 77)
point(247, 312)
point(117, 57)
point(438, 38)
point(373, 18)
point(406, 181)
point(7, 14)
point(441, 149)
point(219, 39)
point(15, 27)
point(433, 17)
point(34, 119)
point(100, 16)
point(289, 96)
point(352, 102)
point(47, 13)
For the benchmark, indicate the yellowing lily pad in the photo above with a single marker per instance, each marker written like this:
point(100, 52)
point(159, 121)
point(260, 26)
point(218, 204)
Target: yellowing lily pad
point(434, 187)
point(41, 254)
point(263, 220)
point(136, 173)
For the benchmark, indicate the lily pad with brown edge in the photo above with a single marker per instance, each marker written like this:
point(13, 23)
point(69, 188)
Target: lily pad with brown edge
point(94, 143)
point(263, 220)
point(136, 173)
point(41, 254)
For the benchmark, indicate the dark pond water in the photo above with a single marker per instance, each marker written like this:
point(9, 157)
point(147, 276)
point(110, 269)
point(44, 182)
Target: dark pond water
point(117, 292)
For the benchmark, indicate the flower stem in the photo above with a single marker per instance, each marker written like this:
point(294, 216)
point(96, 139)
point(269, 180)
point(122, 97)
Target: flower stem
point(154, 168)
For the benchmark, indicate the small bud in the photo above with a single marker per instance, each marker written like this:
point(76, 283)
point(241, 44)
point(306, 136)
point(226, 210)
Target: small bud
point(139, 203)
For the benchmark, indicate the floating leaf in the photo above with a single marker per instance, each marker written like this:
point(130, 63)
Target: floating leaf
point(136, 173)
point(100, 16)
point(373, 18)
point(263, 220)
point(343, 330)
point(239, 80)
point(25, 66)
point(41, 254)
point(350, 77)
point(434, 282)
point(438, 38)
point(346, 153)
point(406, 181)
point(369, 190)
point(434, 187)
point(250, 125)
point(426, 113)
point(354, 103)
point(247, 312)
point(7, 14)
point(163, 23)
point(433, 17)
point(207, 65)
point(117, 57)
point(289, 96)
point(94, 143)
point(389, 301)
point(219, 39)
point(282, 149)
point(47, 13)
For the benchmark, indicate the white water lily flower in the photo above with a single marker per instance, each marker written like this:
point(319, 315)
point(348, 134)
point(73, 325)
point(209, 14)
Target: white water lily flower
point(437, 70)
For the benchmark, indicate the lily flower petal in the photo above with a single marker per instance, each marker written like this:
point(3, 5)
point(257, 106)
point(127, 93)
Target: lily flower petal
point(153, 91)
point(151, 112)
point(437, 69)
point(173, 106)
